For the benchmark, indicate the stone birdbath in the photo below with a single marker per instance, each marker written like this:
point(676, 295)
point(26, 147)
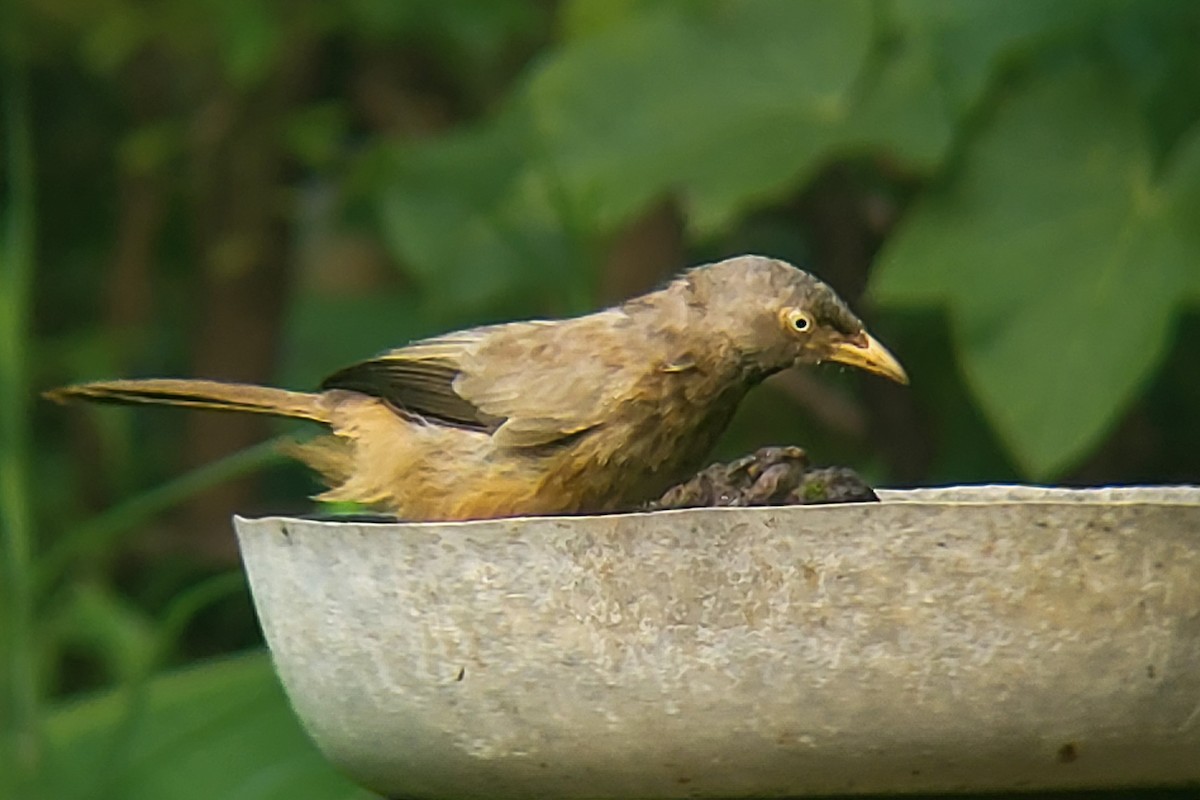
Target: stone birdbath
point(963, 639)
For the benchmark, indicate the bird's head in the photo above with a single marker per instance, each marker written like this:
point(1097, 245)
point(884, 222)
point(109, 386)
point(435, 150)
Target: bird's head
point(778, 316)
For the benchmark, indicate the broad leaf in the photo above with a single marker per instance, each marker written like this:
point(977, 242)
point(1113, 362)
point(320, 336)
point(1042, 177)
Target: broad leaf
point(221, 729)
point(966, 40)
point(900, 109)
point(475, 220)
point(578, 19)
point(1059, 260)
point(934, 62)
point(725, 101)
point(733, 105)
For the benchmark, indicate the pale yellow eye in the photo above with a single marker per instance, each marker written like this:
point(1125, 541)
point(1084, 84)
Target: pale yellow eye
point(797, 320)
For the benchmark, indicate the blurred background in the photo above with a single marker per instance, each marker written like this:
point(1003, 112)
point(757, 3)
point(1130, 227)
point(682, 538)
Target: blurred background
point(265, 190)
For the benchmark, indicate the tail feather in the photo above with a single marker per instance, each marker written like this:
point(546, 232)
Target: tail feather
point(214, 395)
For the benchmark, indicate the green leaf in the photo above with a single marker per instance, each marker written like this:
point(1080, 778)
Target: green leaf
point(106, 530)
point(118, 634)
point(222, 729)
point(1154, 47)
point(250, 39)
point(20, 683)
point(473, 38)
point(1058, 258)
point(578, 19)
point(315, 133)
point(732, 105)
point(475, 220)
point(1181, 183)
point(900, 108)
point(730, 102)
point(966, 41)
point(436, 205)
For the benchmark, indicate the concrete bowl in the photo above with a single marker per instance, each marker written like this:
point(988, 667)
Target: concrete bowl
point(963, 639)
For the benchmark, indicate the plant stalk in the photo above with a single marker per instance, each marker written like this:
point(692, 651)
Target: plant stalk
point(20, 693)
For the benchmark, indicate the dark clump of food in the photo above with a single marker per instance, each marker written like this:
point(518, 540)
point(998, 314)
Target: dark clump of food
point(835, 485)
point(771, 476)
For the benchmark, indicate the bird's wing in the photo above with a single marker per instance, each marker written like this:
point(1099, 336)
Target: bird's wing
point(419, 379)
point(527, 383)
point(550, 381)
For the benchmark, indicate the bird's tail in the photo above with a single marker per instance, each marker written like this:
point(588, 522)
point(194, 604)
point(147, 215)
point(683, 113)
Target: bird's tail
point(214, 395)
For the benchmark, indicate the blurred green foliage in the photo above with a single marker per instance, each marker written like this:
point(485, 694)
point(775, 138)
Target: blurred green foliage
point(223, 730)
point(268, 189)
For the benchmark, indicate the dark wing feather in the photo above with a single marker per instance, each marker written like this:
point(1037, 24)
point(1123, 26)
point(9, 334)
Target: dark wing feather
point(418, 379)
point(528, 384)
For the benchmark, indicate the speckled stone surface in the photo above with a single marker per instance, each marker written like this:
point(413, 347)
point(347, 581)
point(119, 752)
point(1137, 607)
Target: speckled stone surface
point(982, 638)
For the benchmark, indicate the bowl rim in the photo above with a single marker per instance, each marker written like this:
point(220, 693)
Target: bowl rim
point(1009, 496)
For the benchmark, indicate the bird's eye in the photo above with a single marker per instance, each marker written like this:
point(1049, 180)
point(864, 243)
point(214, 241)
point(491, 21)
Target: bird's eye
point(798, 320)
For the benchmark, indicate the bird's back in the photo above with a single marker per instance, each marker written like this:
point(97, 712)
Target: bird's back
point(595, 413)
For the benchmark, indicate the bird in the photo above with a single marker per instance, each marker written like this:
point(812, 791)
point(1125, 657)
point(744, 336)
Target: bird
point(591, 414)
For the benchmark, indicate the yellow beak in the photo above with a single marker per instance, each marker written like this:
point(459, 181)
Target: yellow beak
point(865, 352)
